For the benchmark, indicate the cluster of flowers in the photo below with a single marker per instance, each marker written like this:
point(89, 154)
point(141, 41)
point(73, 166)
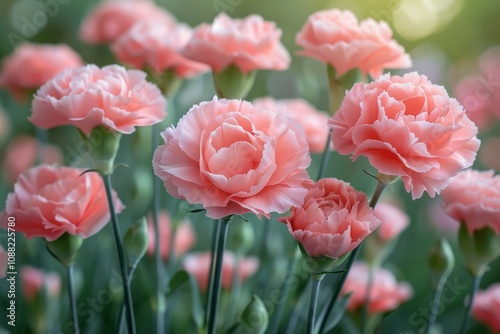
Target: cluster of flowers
point(238, 157)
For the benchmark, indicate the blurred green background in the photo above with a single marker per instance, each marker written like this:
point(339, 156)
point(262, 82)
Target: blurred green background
point(444, 38)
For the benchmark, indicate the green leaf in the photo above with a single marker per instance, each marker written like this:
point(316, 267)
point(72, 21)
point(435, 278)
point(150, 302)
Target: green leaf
point(338, 312)
point(177, 280)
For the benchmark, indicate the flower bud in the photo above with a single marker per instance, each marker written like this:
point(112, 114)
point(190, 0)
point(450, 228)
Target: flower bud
point(136, 241)
point(231, 83)
point(66, 248)
point(102, 145)
point(254, 318)
point(242, 236)
point(478, 249)
point(440, 260)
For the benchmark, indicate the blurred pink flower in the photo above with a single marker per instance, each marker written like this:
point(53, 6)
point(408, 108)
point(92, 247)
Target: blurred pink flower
point(184, 236)
point(441, 220)
point(22, 152)
point(393, 220)
point(3, 262)
point(157, 45)
point(234, 158)
point(314, 122)
point(485, 307)
point(473, 197)
point(469, 93)
point(110, 19)
point(386, 293)
point(333, 220)
point(34, 280)
point(31, 65)
point(198, 264)
point(89, 96)
point(406, 126)
point(488, 153)
point(49, 201)
point(250, 44)
point(335, 37)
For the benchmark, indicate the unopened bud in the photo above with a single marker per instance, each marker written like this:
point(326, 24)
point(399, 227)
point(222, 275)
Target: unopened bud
point(479, 248)
point(136, 240)
point(440, 260)
point(242, 236)
point(254, 319)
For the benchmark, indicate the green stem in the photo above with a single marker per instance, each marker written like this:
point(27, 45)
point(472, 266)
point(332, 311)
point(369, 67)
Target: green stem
point(325, 159)
point(72, 298)
point(298, 310)
point(376, 196)
point(364, 314)
point(160, 311)
point(211, 279)
point(219, 258)
point(278, 311)
point(121, 256)
point(435, 303)
point(121, 317)
point(312, 305)
point(335, 89)
point(468, 309)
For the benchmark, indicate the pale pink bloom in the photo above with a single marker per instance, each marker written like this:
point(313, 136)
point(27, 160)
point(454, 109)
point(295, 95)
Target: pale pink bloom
point(158, 46)
point(183, 240)
point(31, 65)
point(486, 305)
point(335, 37)
point(49, 201)
point(89, 96)
point(473, 197)
point(333, 220)
point(394, 220)
point(198, 264)
point(110, 19)
point(22, 152)
point(475, 98)
point(408, 127)
point(441, 220)
point(34, 281)
point(3, 261)
point(488, 153)
point(386, 293)
point(234, 158)
point(314, 122)
point(249, 44)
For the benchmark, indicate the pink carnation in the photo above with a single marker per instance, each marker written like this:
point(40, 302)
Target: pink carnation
point(49, 201)
point(333, 220)
point(89, 96)
point(314, 122)
point(234, 158)
point(183, 240)
point(335, 37)
point(157, 45)
point(110, 19)
point(472, 94)
point(198, 264)
point(386, 293)
point(406, 127)
point(250, 44)
point(393, 219)
point(22, 153)
point(486, 305)
point(31, 65)
point(34, 281)
point(473, 197)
